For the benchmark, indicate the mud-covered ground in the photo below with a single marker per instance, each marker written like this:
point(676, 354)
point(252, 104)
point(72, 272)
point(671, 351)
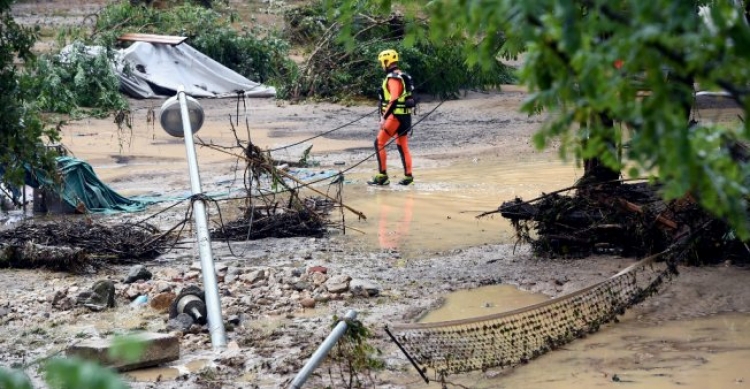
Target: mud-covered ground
point(263, 283)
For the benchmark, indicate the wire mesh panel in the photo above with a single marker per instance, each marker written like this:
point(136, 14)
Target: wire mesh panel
point(511, 338)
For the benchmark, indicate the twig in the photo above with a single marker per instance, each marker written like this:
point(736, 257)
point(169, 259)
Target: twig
point(545, 195)
point(291, 177)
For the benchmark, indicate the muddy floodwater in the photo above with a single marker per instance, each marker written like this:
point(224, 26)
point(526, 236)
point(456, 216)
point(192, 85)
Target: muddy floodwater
point(439, 211)
point(487, 300)
point(699, 353)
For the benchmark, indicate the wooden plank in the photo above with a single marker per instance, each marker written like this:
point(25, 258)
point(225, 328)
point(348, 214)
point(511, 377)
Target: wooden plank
point(636, 208)
point(153, 38)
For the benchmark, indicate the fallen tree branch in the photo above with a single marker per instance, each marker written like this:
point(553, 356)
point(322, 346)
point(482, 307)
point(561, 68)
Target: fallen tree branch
point(637, 208)
point(289, 176)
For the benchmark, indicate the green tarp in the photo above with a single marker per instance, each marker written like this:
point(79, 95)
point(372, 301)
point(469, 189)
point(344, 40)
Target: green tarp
point(80, 185)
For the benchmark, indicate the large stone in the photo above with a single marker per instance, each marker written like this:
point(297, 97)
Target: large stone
point(181, 322)
point(171, 274)
point(300, 286)
point(157, 349)
point(162, 286)
point(319, 278)
point(317, 269)
point(162, 301)
point(338, 283)
point(137, 273)
point(100, 297)
point(254, 276)
point(364, 288)
point(132, 292)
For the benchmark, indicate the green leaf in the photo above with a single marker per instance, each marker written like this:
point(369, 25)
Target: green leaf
point(14, 379)
point(127, 348)
point(79, 374)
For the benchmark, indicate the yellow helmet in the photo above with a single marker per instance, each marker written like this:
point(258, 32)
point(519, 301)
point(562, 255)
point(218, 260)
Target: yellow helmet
point(387, 57)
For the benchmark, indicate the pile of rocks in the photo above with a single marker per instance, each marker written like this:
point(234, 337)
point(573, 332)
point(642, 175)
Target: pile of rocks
point(250, 291)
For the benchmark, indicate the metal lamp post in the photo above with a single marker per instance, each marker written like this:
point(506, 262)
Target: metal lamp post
point(320, 354)
point(182, 116)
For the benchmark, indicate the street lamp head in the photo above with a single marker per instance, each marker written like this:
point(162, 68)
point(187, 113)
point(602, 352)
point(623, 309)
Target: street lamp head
point(170, 116)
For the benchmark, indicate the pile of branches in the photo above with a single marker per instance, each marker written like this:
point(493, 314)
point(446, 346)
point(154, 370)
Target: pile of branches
point(273, 206)
point(621, 218)
point(276, 222)
point(78, 245)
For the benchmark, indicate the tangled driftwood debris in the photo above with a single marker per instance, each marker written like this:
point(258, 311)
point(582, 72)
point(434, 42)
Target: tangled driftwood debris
point(273, 205)
point(78, 245)
point(29, 255)
point(271, 223)
point(621, 218)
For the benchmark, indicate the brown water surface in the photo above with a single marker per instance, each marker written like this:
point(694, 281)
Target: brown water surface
point(156, 374)
point(439, 211)
point(487, 300)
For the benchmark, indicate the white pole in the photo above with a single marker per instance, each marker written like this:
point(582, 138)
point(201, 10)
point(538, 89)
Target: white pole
point(210, 285)
point(322, 351)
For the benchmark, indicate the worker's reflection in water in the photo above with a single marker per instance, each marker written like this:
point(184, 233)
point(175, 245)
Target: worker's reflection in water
point(395, 220)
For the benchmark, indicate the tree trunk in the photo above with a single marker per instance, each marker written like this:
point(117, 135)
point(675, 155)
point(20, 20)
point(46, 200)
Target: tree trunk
point(594, 170)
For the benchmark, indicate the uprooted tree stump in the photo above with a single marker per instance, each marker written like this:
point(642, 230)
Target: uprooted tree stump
point(625, 219)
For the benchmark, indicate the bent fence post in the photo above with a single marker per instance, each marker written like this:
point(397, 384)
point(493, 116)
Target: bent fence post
point(322, 351)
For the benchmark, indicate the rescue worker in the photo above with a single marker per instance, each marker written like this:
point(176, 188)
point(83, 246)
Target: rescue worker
point(396, 103)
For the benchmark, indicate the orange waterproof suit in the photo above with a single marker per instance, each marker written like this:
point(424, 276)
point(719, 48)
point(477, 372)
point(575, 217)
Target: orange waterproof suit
point(395, 121)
